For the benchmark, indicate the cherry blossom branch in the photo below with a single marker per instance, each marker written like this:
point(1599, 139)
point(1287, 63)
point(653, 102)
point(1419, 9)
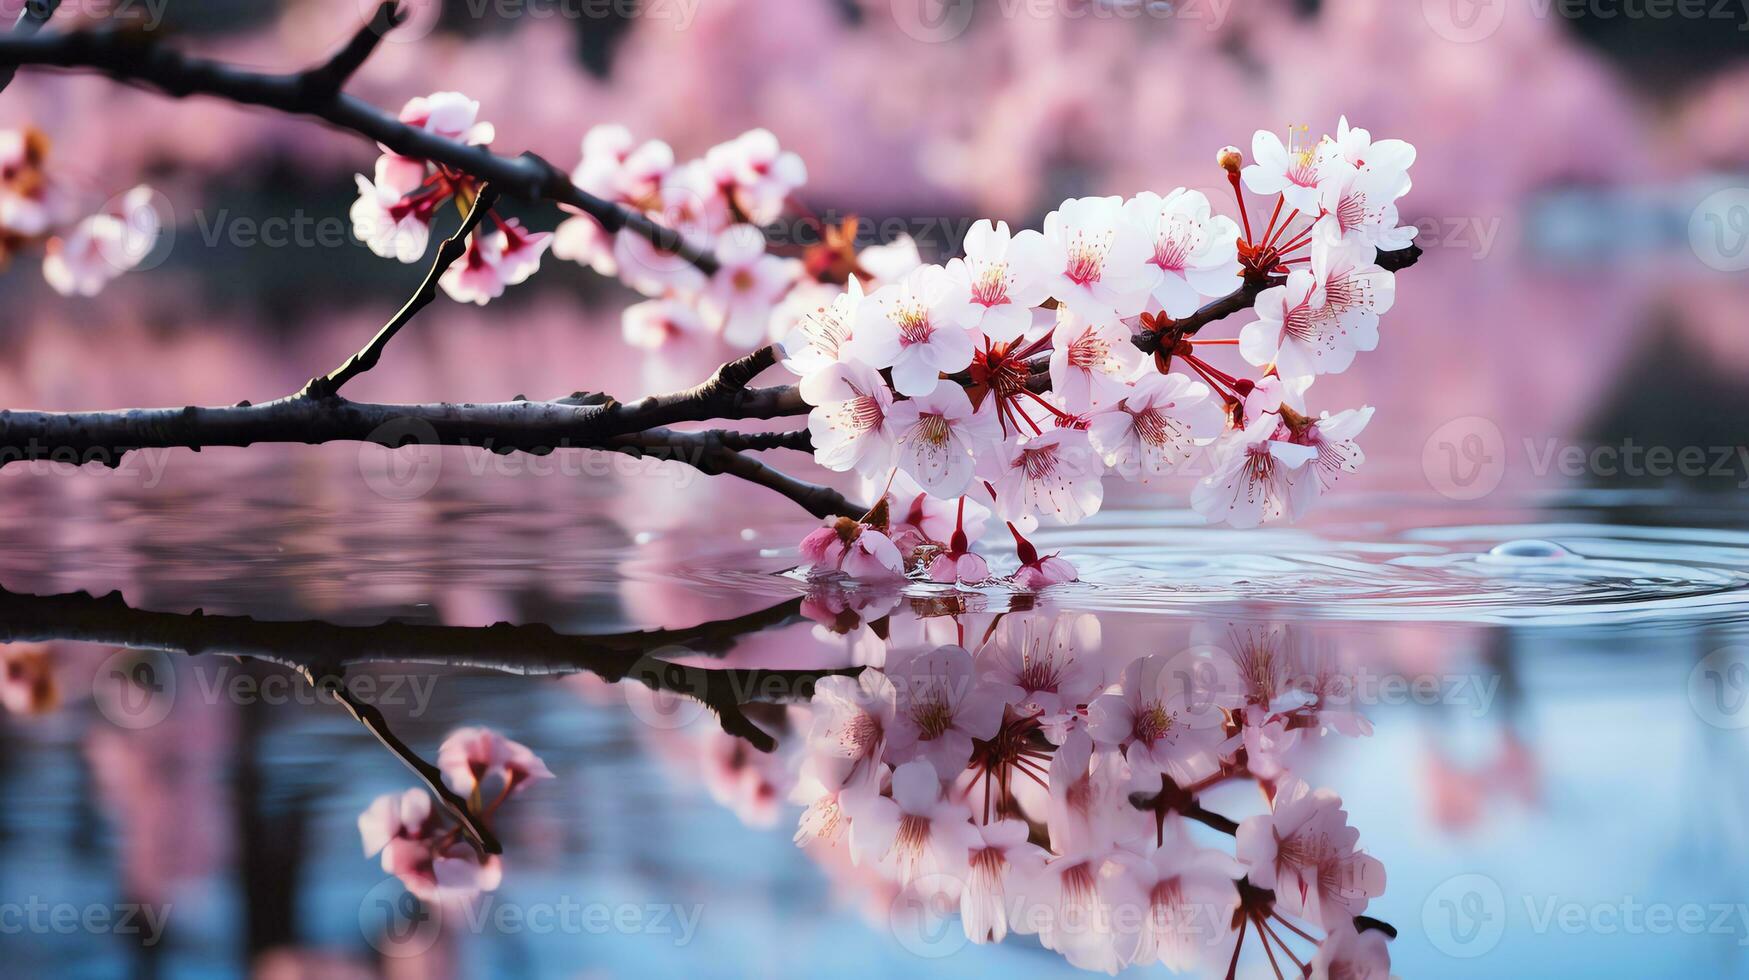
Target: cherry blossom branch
point(367, 714)
point(140, 60)
point(447, 253)
point(717, 452)
point(1245, 297)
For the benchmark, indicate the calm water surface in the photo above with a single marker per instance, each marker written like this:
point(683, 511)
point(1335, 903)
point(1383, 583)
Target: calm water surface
point(1559, 718)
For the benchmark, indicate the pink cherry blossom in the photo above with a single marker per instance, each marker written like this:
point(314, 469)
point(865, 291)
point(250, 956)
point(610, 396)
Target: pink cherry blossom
point(103, 246)
point(1156, 427)
point(819, 339)
point(917, 831)
point(739, 296)
point(1195, 252)
point(917, 327)
point(938, 433)
point(1252, 482)
point(1297, 172)
point(851, 421)
point(450, 115)
point(1291, 332)
point(1305, 850)
point(1004, 276)
point(418, 847)
point(1362, 152)
point(384, 217)
point(658, 323)
point(1038, 571)
point(1331, 437)
point(760, 173)
point(1360, 207)
point(852, 716)
point(1096, 258)
point(1056, 473)
point(1349, 955)
point(483, 765)
point(852, 548)
point(1188, 898)
point(1161, 722)
point(1045, 666)
point(1000, 857)
point(1092, 361)
point(443, 872)
point(493, 260)
point(941, 708)
point(394, 815)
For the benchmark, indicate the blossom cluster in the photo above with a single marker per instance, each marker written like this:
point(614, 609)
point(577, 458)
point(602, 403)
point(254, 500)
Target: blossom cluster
point(397, 206)
point(1014, 371)
point(425, 847)
point(81, 255)
point(717, 202)
point(1023, 777)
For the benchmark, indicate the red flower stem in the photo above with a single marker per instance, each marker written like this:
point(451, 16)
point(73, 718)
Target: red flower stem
point(1233, 178)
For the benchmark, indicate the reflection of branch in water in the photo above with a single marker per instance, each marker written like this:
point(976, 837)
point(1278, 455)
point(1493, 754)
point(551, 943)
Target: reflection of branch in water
point(322, 652)
point(480, 835)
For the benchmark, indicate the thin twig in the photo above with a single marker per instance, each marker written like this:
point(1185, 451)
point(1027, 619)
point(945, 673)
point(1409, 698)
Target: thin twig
point(447, 253)
point(327, 79)
point(717, 452)
point(480, 835)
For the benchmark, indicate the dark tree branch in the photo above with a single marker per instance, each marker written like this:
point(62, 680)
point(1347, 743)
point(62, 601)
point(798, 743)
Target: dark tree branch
point(447, 253)
point(326, 650)
point(324, 81)
point(141, 60)
point(35, 14)
point(367, 714)
point(717, 452)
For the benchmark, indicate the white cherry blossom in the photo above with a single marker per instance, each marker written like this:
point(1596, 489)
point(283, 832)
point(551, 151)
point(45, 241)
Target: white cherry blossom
point(917, 327)
point(1252, 482)
point(1157, 427)
point(1195, 254)
point(1091, 361)
point(850, 422)
point(1297, 172)
point(938, 434)
point(1095, 258)
point(1004, 277)
point(1056, 473)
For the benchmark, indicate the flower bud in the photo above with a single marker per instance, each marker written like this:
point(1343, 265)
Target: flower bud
point(1230, 159)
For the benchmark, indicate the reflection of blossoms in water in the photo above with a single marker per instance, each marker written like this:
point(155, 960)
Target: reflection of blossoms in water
point(428, 849)
point(1047, 787)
